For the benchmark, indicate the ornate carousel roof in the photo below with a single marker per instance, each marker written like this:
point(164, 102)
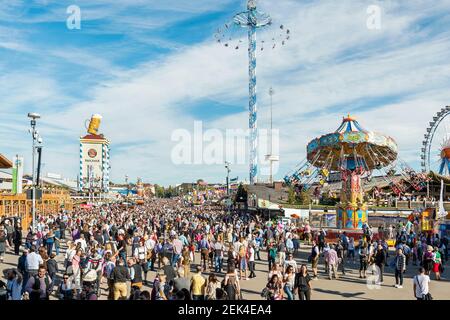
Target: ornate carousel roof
point(351, 140)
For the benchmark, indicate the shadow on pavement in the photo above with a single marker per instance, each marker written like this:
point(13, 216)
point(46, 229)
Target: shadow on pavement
point(344, 295)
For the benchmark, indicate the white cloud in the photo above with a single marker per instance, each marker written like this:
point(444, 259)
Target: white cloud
point(331, 62)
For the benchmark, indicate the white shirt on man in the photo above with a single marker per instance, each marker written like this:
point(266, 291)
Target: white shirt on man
point(421, 281)
point(33, 261)
point(251, 252)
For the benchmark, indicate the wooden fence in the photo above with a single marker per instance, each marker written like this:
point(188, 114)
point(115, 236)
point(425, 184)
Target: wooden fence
point(19, 206)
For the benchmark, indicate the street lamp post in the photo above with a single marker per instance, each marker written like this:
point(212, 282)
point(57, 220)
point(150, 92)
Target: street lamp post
point(36, 138)
point(270, 157)
point(128, 189)
point(227, 166)
point(271, 92)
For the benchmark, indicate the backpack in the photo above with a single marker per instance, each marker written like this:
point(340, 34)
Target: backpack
point(84, 263)
point(273, 253)
point(204, 244)
point(403, 238)
point(313, 252)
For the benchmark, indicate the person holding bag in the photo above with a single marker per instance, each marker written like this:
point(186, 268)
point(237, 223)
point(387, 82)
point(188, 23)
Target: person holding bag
point(421, 285)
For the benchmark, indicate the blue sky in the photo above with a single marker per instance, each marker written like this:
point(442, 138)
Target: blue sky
point(151, 67)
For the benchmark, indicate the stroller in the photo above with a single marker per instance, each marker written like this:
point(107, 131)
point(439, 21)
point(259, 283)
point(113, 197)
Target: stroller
point(90, 286)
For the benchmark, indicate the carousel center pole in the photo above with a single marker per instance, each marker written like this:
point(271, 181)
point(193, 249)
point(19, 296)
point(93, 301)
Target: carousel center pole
point(352, 210)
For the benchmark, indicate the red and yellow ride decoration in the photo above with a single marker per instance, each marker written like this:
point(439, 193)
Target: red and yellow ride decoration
point(353, 152)
point(424, 219)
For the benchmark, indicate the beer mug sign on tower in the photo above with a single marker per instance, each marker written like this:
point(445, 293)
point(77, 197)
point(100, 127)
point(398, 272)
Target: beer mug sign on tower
point(94, 124)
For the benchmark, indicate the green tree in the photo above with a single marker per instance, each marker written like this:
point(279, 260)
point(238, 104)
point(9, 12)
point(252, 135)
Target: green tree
point(241, 194)
point(159, 191)
point(170, 192)
point(292, 197)
point(304, 198)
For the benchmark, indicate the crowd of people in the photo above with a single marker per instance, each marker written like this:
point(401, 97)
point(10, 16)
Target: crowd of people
point(168, 249)
point(420, 249)
point(117, 244)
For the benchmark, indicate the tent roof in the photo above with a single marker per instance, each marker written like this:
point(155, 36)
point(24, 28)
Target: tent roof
point(4, 162)
point(350, 124)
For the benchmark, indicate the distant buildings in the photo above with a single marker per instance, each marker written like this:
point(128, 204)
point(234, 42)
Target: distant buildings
point(6, 181)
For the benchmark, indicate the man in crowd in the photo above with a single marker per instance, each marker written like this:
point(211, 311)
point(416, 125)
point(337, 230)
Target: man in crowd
point(421, 285)
point(120, 275)
point(39, 287)
point(198, 285)
point(331, 258)
point(33, 261)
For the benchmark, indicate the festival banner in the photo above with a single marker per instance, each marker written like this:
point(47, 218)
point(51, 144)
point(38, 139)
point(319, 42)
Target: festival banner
point(17, 175)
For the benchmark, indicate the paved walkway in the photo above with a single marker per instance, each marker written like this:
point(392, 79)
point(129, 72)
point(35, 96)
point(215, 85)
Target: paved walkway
point(349, 286)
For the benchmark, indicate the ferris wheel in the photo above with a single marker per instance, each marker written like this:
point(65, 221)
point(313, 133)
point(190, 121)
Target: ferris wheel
point(435, 153)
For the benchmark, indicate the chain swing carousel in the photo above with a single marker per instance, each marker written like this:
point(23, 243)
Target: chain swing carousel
point(355, 154)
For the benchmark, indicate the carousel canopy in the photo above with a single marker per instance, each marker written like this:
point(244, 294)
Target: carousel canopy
point(352, 146)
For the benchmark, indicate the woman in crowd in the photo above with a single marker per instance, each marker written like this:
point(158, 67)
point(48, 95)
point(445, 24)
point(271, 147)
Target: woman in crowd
point(212, 287)
point(275, 271)
point(274, 288)
point(302, 285)
point(76, 269)
point(363, 259)
point(231, 284)
point(427, 259)
point(288, 282)
point(437, 263)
